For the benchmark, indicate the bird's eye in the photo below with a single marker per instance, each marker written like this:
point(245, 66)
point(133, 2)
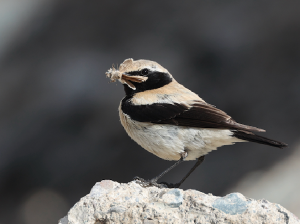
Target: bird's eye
point(145, 71)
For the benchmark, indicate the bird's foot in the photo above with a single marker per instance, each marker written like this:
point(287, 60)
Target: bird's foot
point(149, 183)
point(170, 185)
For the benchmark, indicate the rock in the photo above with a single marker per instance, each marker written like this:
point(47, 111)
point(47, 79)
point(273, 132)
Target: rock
point(112, 202)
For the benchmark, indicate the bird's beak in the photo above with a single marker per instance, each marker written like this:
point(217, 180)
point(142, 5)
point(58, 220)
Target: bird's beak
point(128, 79)
point(125, 78)
point(134, 78)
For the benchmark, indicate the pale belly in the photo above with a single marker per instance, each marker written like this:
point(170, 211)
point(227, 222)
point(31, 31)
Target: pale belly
point(169, 141)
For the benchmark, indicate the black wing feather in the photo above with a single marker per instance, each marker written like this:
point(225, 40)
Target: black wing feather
point(152, 112)
point(248, 136)
point(202, 115)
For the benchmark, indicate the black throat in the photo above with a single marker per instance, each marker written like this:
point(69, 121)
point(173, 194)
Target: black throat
point(155, 80)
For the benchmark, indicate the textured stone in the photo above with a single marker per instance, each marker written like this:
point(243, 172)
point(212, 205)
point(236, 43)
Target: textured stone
point(232, 204)
point(112, 202)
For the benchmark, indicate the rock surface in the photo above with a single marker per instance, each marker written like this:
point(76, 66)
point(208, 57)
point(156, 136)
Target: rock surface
point(112, 202)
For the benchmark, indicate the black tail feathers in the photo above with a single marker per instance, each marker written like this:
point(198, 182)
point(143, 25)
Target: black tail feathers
point(248, 136)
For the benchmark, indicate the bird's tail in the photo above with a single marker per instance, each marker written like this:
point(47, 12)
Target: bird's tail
point(249, 136)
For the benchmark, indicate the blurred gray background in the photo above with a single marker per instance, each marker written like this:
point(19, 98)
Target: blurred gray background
point(59, 126)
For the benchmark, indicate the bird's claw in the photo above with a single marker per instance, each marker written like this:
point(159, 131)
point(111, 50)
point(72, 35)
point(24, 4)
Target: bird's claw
point(153, 182)
point(149, 183)
point(170, 185)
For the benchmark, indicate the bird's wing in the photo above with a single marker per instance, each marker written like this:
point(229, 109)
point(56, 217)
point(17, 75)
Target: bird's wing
point(155, 112)
point(198, 114)
point(202, 115)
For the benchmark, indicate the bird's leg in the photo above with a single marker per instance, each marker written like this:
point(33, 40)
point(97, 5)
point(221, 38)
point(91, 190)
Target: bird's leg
point(199, 161)
point(153, 182)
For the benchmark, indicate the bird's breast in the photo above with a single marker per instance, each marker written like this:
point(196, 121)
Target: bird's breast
point(157, 139)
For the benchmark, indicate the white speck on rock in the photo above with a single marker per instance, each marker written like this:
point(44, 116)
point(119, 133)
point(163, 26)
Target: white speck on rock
point(103, 187)
point(173, 198)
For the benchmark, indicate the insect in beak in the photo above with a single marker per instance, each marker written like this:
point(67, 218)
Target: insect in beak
point(129, 79)
point(124, 78)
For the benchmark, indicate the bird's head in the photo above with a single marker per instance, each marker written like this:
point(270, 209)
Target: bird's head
point(140, 75)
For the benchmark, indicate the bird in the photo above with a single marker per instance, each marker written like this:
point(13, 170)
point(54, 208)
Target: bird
point(172, 122)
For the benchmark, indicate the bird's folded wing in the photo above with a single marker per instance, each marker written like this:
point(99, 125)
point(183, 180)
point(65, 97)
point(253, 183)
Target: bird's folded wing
point(197, 114)
point(207, 116)
point(153, 112)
